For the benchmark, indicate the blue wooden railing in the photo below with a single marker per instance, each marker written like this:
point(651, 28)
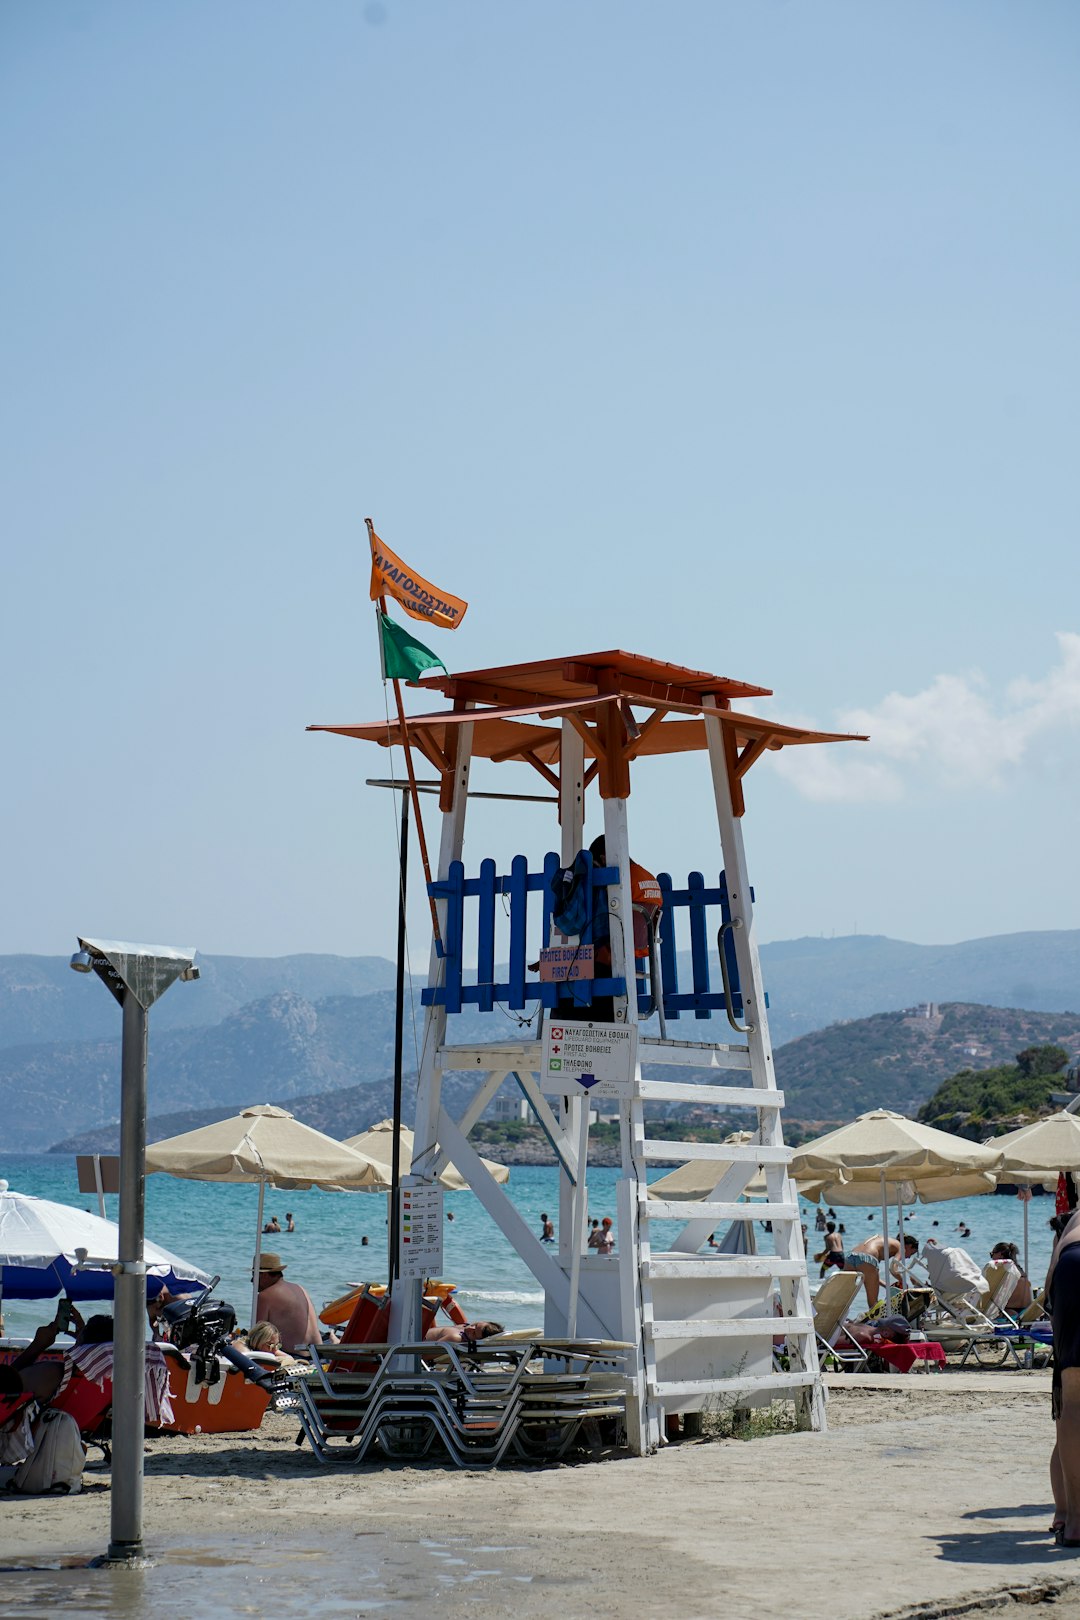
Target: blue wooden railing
point(702, 1000)
point(518, 989)
point(515, 891)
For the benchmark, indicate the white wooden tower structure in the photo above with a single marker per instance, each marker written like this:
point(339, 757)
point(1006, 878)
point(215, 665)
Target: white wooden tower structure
point(702, 1323)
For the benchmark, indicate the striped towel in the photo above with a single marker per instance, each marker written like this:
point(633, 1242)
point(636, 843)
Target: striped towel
point(95, 1362)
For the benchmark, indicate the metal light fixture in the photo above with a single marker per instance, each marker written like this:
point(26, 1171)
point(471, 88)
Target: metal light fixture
point(136, 975)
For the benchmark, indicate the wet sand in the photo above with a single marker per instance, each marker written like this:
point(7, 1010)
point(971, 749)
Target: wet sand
point(927, 1498)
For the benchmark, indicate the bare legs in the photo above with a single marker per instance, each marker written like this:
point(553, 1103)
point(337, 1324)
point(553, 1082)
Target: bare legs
point(872, 1284)
point(1057, 1485)
point(1065, 1463)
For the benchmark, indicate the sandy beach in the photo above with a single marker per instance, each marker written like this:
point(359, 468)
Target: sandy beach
point(927, 1498)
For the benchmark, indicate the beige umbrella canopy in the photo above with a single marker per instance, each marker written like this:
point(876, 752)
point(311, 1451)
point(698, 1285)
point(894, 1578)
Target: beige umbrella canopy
point(907, 1155)
point(883, 1158)
point(378, 1142)
point(268, 1146)
point(1039, 1151)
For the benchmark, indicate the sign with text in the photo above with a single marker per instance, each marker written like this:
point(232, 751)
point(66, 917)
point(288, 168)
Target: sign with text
point(559, 964)
point(421, 1233)
point(593, 1059)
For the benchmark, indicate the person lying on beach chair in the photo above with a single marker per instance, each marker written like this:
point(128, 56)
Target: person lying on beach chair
point(462, 1332)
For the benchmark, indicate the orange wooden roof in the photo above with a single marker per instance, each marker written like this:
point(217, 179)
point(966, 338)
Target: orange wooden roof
point(498, 734)
point(597, 693)
point(629, 675)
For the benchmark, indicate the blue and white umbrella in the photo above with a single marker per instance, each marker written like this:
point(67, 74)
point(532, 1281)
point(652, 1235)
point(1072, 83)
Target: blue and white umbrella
point(48, 1249)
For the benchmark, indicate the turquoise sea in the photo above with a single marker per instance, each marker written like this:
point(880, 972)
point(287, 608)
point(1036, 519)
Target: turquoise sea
point(214, 1226)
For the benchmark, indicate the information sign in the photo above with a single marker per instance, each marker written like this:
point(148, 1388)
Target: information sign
point(421, 1233)
point(560, 964)
point(598, 1060)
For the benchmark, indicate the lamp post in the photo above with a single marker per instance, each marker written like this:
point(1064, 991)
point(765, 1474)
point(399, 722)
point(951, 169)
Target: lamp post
point(136, 975)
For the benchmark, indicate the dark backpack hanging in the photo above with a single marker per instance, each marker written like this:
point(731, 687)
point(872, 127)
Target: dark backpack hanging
point(571, 911)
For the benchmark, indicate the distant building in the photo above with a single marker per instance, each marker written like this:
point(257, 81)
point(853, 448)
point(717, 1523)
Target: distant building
point(509, 1107)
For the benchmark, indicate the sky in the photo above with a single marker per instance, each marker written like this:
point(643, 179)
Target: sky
point(741, 335)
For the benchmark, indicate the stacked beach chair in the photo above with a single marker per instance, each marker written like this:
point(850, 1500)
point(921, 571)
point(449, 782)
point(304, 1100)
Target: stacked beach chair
point(477, 1404)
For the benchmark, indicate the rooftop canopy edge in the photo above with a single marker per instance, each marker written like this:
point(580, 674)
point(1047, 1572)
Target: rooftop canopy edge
point(613, 735)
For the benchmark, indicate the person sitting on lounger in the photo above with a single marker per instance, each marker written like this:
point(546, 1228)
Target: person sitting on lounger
point(1022, 1294)
point(462, 1332)
point(44, 1378)
point(286, 1306)
point(265, 1338)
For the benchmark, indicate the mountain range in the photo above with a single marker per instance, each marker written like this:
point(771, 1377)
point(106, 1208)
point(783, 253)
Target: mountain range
point(293, 1029)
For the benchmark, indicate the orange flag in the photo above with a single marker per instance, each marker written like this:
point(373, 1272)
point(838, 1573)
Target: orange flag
point(419, 597)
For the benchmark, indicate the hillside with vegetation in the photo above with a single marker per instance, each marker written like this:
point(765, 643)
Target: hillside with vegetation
point(899, 1060)
point(978, 1103)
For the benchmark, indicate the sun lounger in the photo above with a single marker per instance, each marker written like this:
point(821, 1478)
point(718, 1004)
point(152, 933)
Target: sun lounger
point(831, 1305)
point(476, 1402)
point(974, 1328)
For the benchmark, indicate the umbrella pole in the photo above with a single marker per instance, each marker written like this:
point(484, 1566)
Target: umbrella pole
point(1026, 1202)
point(903, 1253)
point(885, 1238)
point(255, 1257)
point(399, 1025)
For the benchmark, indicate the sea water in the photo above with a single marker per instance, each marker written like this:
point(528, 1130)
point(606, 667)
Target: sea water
point(213, 1225)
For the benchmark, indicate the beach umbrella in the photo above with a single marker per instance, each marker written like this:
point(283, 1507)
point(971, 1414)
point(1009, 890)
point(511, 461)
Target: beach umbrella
point(881, 1156)
point(1037, 1153)
point(267, 1146)
point(42, 1242)
point(378, 1142)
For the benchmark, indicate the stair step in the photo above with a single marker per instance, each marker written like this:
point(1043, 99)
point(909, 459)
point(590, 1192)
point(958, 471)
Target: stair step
point(725, 1152)
point(731, 1327)
point(763, 1384)
point(692, 1209)
point(707, 1268)
point(693, 1054)
point(719, 1096)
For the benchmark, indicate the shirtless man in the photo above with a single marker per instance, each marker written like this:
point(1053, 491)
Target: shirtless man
point(833, 1253)
point(286, 1305)
point(867, 1256)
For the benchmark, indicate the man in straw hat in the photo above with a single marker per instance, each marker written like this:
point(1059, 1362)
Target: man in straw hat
point(285, 1305)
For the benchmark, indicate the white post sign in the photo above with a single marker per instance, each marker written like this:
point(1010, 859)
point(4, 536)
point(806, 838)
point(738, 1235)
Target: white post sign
point(597, 1060)
point(421, 1233)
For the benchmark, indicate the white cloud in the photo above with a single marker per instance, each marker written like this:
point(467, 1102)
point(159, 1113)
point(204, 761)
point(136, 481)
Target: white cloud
point(953, 732)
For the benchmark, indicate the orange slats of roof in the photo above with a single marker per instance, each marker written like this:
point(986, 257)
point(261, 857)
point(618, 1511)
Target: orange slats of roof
point(576, 676)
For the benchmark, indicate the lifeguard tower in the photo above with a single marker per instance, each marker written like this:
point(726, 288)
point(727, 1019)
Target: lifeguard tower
point(701, 1324)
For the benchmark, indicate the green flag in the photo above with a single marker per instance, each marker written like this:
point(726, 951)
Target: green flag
point(403, 657)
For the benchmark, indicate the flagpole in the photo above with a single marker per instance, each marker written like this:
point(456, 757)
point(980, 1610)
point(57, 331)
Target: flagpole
point(414, 792)
point(409, 768)
point(399, 1021)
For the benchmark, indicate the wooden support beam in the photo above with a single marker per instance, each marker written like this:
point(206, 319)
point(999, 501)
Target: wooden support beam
point(752, 752)
point(530, 758)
